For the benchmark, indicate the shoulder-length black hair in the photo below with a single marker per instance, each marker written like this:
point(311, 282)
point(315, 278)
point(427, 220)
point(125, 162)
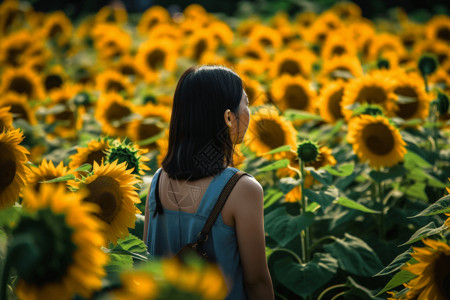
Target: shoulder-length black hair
point(199, 141)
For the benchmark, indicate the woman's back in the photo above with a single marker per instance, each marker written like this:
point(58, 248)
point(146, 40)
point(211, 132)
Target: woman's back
point(169, 231)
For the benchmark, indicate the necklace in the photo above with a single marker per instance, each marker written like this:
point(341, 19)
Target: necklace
point(179, 210)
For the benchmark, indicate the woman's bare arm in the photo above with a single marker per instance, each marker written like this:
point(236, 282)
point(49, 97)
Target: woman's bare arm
point(248, 198)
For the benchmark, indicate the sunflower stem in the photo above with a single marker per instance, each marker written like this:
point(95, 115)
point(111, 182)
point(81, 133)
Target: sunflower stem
point(339, 295)
point(380, 199)
point(305, 234)
point(337, 286)
point(319, 241)
point(5, 275)
point(425, 79)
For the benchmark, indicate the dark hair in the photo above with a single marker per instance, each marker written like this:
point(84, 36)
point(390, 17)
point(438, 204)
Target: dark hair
point(199, 140)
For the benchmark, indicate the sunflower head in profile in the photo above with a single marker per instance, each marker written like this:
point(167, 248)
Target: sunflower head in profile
point(268, 130)
point(6, 118)
point(95, 151)
point(122, 151)
point(22, 81)
point(329, 101)
point(432, 270)
point(154, 120)
point(111, 110)
point(375, 88)
point(113, 81)
point(153, 17)
point(112, 188)
point(57, 27)
point(152, 58)
point(13, 46)
point(438, 28)
point(293, 92)
point(66, 240)
point(13, 158)
point(293, 63)
point(46, 171)
point(376, 141)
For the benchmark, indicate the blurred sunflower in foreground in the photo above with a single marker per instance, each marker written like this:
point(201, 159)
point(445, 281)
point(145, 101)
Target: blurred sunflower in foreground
point(12, 165)
point(173, 279)
point(56, 248)
point(375, 140)
point(112, 187)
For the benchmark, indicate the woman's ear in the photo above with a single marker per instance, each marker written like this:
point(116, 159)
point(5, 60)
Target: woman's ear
point(227, 117)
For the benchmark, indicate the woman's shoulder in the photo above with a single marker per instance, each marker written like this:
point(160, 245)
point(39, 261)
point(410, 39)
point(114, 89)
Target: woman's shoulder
point(247, 187)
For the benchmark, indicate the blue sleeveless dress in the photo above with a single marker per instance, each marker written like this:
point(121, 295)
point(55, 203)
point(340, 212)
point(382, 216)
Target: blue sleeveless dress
point(163, 235)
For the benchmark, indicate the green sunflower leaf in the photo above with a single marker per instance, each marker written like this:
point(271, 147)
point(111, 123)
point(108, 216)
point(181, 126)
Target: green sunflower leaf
point(426, 231)
point(60, 179)
point(275, 165)
point(397, 263)
point(84, 168)
point(294, 114)
point(271, 197)
point(305, 279)
point(283, 227)
point(398, 279)
point(279, 149)
point(321, 176)
point(441, 206)
point(343, 171)
point(344, 201)
point(323, 198)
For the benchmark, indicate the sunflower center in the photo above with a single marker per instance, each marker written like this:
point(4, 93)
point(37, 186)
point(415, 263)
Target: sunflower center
point(406, 110)
point(52, 81)
point(271, 133)
point(290, 67)
point(12, 56)
point(116, 112)
point(19, 111)
point(21, 85)
point(338, 50)
point(443, 33)
point(55, 30)
point(66, 115)
point(7, 165)
point(296, 97)
point(378, 138)
point(95, 156)
point(371, 94)
point(127, 70)
point(155, 59)
point(114, 86)
point(265, 42)
point(252, 54)
point(334, 104)
point(442, 275)
point(146, 131)
point(199, 48)
point(105, 192)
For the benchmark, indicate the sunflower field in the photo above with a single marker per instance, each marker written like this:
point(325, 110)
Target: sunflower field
point(349, 137)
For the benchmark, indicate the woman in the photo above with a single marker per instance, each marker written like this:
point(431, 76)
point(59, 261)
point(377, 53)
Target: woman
point(210, 116)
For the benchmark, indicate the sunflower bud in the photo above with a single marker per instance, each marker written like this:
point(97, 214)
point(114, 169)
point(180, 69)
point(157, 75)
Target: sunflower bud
point(308, 151)
point(428, 63)
point(442, 104)
point(128, 152)
point(383, 64)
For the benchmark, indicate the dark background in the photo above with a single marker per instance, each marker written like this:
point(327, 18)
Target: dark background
point(419, 9)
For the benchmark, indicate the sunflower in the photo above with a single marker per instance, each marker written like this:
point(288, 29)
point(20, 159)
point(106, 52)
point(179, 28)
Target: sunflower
point(112, 187)
point(293, 92)
point(57, 27)
point(280, 21)
point(252, 51)
point(440, 79)
point(411, 87)
point(22, 81)
point(153, 57)
point(294, 63)
point(112, 14)
point(6, 118)
point(266, 37)
point(127, 66)
point(346, 10)
point(411, 33)
point(255, 92)
point(123, 151)
point(222, 32)
point(54, 78)
point(362, 32)
point(153, 17)
point(69, 116)
point(11, 16)
point(436, 47)
point(371, 88)
point(338, 44)
point(46, 171)
point(250, 68)
point(384, 42)
point(13, 46)
point(329, 101)
point(200, 42)
point(245, 27)
point(304, 20)
point(113, 44)
point(325, 159)
point(113, 81)
point(12, 163)
point(137, 284)
point(343, 68)
point(72, 261)
point(19, 107)
point(95, 151)
point(375, 140)
point(432, 270)
point(195, 11)
point(438, 28)
point(268, 130)
point(154, 120)
point(323, 26)
point(111, 109)
point(165, 30)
